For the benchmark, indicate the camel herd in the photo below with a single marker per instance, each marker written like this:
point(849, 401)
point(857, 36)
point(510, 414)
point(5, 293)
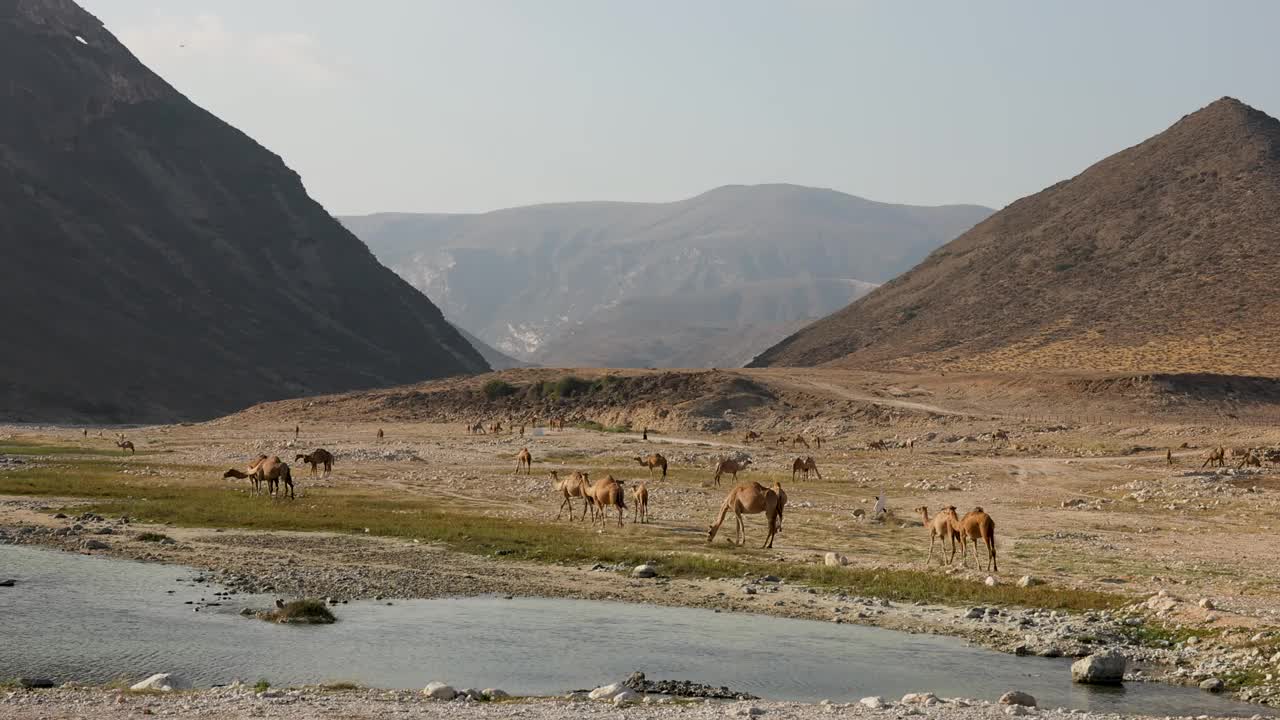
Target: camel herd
point(269, 469)
point(947, 525)
point(1243, 456)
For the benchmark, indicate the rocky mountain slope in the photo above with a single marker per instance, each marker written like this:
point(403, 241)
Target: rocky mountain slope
point(1161, 257)
point(707, 281)
point(159, 264)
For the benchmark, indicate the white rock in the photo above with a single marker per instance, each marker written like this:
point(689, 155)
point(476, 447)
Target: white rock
point(1017, 710)
point(644, 571)
point(875, 702)
point(1105, 668)
point(495, 694)
point(990, 581)
point(163, 681)
point(832, 559)
point(1017, 697)
point(607, 692)
point(439, 691)
point(1028, 581)
point(1207, 604)
point(926, 698)
point(626, 697)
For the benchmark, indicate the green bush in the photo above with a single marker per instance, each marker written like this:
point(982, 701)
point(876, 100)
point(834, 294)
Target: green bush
point(155, 537)
point(498, 388)
point(566, 387)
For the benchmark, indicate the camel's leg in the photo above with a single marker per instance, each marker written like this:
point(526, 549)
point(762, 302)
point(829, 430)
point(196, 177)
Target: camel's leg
point(562, 504)
point(929, 557)
point(742, 527)
point(991, 553)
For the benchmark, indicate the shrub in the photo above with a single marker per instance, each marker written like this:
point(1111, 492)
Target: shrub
point(155, 537)
point(262, 685)
point(498, 388)
point(300, 611)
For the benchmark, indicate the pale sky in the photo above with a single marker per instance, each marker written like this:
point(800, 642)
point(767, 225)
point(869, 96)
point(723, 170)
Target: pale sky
point(472, 105)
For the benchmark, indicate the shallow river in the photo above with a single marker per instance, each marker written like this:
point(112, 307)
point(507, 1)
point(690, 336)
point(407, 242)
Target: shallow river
point(76, 617)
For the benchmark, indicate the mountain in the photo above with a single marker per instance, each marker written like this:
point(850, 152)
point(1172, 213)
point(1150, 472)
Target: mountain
point(628, 284)
point(1162, 257)
point(159, 264)
point(495, 359)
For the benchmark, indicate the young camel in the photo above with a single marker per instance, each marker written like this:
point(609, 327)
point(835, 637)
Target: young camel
point(732, 467)
point(975, 525)
point(524, 460)
point(1217, 458)
point(655, 460)
point(575, 486)
point(640, 494)
point(804, 465)
point(751, 499)
point(940, 527)
point(316, 458)
point(799, 440)
point(603, 494)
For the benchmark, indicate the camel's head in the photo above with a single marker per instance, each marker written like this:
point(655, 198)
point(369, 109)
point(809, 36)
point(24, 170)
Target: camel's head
point(711, 533)
point(922, 510)
point(746, 462)
point(299, 457)
point(229, 474)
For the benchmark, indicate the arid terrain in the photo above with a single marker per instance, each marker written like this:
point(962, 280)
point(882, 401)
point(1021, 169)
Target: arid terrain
point(1088, 510)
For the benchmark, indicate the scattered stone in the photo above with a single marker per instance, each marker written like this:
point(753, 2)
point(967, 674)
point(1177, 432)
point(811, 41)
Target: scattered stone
point(644, 571)
point(94, 545)
point(1016, 710)
point(832, 559)
point(1017, 697)
point(166, 682)
point(1105, 668)
point(35, 683)
point(493, 694)
point(1213, 685)
point(1028, 581)
point(1207, 604)
point(747, 589)
point(607, 692)
point(439, 691)
point(976, 613)
point(626, 697)
point(926, 698)
point(875, 702)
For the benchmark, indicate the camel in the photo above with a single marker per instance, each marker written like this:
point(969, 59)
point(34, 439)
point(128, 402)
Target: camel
point(525, 460)
point(126, 444)
point(575, 486)
point(817, 441)
point(975, 525)
point(316, 458)
point(270, 469)
point(655, 460)
point(640, 494)
point(877, 445)
point(940, 527)
point(1168, 456)
point(751, 499)
point(999, 436)
point(1217, 458)
point(475, 428)
point(751, 435)
point(1251, 459)
point(297, 429)
point(495, 427)
point(799, 440)
point(380, 434)
point(804, 465)
point(910, 444)
point(733, 467)
point(556, 423)
point(781, 441)
point(603, 494)
point(249, 473)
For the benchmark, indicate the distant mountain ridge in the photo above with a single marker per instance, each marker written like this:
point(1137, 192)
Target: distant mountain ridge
point(158, 264)
point(1161, 257)
point(577, 284)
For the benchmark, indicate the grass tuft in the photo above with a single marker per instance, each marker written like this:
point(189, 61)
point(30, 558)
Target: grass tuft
point(302, 612)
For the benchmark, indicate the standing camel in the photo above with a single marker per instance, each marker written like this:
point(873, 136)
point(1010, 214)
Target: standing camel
point(524, 460)
point(126, 444)
point(751, 435)
point(271, 469)
point(250, 474)
point(1217, 458)
point(910, 444)
point(817, 441)
point(730, 466)
point(381, 434)
point(604, 494)
point(575, 486)
point(940, 527)
point(495, 427)
point(799, 440)
point(316, 458)
point(296, 430)
point(751, 499)
point(655, 460)
point(975, 525)
point(1168, 456)
point(640, 494)
point(1251, 459)
point(999, 436)
point(804, 465)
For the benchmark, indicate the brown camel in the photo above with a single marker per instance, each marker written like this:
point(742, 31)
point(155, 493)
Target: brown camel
point(316, 458)
point(817, 441)
point(604, 494)
point(940, 527)
point(248, 474)
point(999, 436)
point(575, 486)
point(1251, 459)
point(640, 494)
point(910, 444)
point(475, 428)
point(126, 445)
point(751, 435)
point(655, 460)
point(381, 434)
point(975, 525)
point(751, 499)
point(733, 467)
point(1217, 458)
point(1168, 456)
point(271, 469)
point(525, 460)
point(799, 440)
point(495, 427)
point(877, 445)
point(804, 465)
point(781, 441)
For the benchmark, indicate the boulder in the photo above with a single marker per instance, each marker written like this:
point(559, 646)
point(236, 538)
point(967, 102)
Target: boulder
point(990, 581)
point(166, 682)
point(493, 694)
point(439, 691)
point(875, 702)
point(94, 545)
point(1104, 668)
point(1016, 710)
point(1213, 685)
point(1028, 581)
point(976, 613)
point(644, 571)
point(1017, 697)
point(10, 582)
point(607, 692)
point(926, 698)
point(627, 697)
point(832, 559)
point(35, 683)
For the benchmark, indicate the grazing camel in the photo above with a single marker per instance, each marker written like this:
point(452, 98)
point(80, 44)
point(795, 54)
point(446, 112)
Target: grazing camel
point(575, 486)
point(603, 494)
point(751, 435)
point(1217, 458)
point(751, 499)
point(126, 445)
point(249, 473)
point(271, 469)
point(1251, 459)
point(640, 494)
point(877, 445)
point(732, 467)
point(999, 435)
point(975, 525)
point(525, 460)
point(804, 465)
point(655, 460)
point(940, 527)
point(495, 427)
point(316, 458)
point(381, 434)
point(799, 440)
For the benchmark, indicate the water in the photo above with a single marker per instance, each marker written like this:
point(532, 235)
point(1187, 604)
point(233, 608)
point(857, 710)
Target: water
point(93, 619)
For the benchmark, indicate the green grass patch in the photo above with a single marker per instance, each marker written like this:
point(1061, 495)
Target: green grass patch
point(303, 612)
point(18, 447)
point(598, 427)
point(1154, 634)
point(497, 388)
point(340, 686)
point(262, 685)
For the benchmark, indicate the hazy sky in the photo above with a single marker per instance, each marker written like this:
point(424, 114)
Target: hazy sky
point(417, 105)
